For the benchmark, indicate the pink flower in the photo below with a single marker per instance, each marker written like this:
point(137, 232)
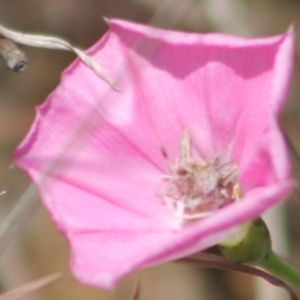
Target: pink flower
point(193, 128)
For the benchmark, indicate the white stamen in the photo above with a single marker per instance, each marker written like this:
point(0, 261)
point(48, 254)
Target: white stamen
point(195, 188)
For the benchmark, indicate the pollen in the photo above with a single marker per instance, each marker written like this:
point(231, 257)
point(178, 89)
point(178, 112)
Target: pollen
point(195, 187)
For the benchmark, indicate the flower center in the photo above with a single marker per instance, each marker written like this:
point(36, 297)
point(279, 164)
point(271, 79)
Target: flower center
point(196, 187)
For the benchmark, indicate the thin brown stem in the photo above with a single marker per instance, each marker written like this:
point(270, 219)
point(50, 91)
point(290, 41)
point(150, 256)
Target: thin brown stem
point(219, 262)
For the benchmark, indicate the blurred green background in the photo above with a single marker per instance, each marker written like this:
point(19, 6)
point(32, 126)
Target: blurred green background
point(40, 249)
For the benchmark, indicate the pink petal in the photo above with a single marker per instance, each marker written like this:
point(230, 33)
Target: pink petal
point(96, 154)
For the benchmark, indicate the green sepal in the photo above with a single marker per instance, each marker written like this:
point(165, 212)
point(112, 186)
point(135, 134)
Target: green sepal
point(254, 247)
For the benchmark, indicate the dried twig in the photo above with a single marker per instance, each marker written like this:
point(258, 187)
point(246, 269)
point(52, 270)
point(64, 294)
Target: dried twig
point(55, 43)
point(30, 287)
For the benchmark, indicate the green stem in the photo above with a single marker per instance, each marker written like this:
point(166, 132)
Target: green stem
point(277, 266)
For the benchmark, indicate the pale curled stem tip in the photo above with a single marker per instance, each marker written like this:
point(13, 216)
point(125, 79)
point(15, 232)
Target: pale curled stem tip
point(15, 59)
point(106, 20)
point(90, 62)
point(58, 44)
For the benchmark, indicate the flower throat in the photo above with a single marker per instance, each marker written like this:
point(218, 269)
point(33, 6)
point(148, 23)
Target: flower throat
point(196, 187)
